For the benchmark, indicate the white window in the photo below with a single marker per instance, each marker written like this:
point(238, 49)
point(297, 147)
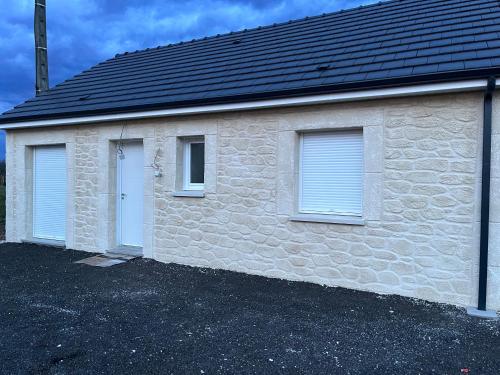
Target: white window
point(331, 173)
point(194, 165)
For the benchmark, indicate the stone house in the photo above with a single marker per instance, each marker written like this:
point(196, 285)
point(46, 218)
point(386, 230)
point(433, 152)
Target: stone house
point(347, 149)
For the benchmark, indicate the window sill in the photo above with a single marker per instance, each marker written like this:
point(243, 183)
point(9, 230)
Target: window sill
point(189, 193)
point(46, 242)
point(329, 219)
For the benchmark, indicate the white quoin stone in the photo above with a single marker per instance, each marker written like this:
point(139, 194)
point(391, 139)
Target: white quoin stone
point(419, 237)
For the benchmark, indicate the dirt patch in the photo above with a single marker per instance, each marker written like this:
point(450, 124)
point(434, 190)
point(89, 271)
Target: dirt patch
point(142, 316)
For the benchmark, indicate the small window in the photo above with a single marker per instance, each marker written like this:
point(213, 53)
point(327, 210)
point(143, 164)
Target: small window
point(331, 173)
point(194, 165)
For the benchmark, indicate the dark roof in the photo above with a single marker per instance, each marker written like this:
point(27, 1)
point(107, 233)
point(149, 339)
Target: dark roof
point(388, 43)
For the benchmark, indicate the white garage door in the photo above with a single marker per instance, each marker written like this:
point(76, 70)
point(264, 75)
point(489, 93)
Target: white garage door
point(49, 192)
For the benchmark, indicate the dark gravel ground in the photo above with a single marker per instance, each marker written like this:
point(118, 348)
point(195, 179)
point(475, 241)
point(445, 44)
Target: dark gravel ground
point(146, 317)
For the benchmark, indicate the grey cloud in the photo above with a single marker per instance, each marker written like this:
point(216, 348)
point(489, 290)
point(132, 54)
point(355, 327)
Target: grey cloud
point(82, 33)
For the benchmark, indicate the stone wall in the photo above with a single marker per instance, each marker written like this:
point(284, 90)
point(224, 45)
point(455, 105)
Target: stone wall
point(421, 203)
point(86, 165)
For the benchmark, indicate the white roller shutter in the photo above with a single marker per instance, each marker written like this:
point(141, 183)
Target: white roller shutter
point(331, 173)
point(49, 192)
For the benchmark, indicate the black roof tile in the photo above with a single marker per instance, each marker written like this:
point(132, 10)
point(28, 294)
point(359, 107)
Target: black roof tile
point(458, 65)
point(476, 64)
point(392, 42)
point(440, 58)
point(425, 69)
point(488, 52)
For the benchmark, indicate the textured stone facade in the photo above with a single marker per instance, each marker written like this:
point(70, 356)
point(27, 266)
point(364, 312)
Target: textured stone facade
point(86, 165)
point(419, 237)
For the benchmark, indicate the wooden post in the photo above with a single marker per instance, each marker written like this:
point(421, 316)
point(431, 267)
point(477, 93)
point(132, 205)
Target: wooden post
point(42, 64)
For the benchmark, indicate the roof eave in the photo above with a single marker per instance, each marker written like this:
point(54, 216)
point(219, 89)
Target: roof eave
point(295, 93)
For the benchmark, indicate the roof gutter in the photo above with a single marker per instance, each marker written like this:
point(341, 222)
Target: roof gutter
point(390, 92)
point(485, 205)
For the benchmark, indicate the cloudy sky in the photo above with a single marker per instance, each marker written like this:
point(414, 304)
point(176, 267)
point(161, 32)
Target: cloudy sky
point(82, 33)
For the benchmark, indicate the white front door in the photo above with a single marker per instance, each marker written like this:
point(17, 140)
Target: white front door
point(49, 192)
point(130, 194)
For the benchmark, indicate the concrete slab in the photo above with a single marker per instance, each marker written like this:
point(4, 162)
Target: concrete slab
point(486, 314)
point(101, 261)
point(119, 256)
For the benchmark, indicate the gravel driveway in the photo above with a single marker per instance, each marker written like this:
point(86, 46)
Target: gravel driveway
point(58, 317)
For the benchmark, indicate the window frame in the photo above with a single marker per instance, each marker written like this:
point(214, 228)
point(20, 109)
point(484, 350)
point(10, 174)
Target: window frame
point(187, 185)
point(302, 213)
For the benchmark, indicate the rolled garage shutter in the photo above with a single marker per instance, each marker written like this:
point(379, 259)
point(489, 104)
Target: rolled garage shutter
point(331, 173)
point(49, 192)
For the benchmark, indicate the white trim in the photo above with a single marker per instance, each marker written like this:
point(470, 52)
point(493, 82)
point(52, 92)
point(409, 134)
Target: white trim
point(33, 193)
point(186, 168)
point(118, 188)
point(299, 175)
point(433, 88)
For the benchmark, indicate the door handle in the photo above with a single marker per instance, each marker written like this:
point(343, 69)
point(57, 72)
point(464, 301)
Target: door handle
point(123, 195)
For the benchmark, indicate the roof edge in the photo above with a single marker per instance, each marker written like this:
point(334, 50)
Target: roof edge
point(367, 94)
point(452, 76)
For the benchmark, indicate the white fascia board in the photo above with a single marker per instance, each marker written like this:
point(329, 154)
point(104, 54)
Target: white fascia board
point(425, 89)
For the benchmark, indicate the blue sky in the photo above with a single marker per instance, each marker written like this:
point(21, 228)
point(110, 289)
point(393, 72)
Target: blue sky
point(82, 33)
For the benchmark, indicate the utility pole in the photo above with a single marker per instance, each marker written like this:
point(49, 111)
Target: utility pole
point(42, 64)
